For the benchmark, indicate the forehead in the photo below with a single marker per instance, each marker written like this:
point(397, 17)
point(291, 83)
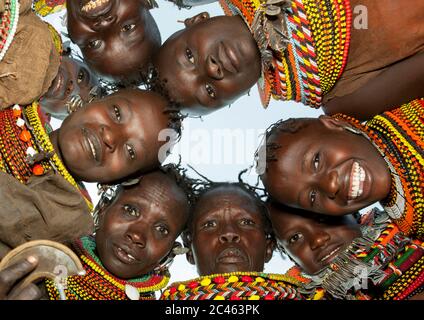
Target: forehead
point(283, 220)
point(225, 198)
point(159, 193)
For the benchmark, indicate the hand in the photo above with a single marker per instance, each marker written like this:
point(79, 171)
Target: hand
point(12, 274)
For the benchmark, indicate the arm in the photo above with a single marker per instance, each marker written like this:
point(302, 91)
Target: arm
point(400, 83)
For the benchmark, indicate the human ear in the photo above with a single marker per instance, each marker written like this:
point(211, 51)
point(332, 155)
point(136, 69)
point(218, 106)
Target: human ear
point(196, 19)
point(332, 123)
point(270, 246)
point(187, 239)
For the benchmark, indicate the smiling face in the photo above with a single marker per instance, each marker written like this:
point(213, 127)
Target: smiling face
point(326, 169)
point(139, 228)
point(73, 78)
point(113, 137)
point(310, 241)
point(206, 70)
point(116, 37)
point(228, 233)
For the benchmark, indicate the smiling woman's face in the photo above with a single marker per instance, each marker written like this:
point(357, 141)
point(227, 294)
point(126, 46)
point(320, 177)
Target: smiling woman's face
point(326, 169)
point(113, 137)
point(117, 37)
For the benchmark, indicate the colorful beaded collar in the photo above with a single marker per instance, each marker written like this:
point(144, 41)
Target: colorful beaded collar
point(399, 137)
point(235, 286)
point(9, 23)
point(46, 7)
point(26, 149)
point(389, 264)
point(316, 34)
point(100, 284)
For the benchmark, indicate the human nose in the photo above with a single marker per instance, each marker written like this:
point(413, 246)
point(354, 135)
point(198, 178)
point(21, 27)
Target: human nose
point(329, 184)
point(103, 22)
point(135, 236)
point(229, 235)
point(213, 68)
point(319, 240)
point(109, 137)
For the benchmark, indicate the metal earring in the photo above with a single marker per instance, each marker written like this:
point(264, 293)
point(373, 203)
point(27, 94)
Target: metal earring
point(352, 130)
point(74, 103)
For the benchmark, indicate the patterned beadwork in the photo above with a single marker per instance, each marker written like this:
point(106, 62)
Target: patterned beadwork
point(24, 133)
point(399, 258)
point(235, 286)
point(8, 26)
point(46, 7)
point(319, 33)
point(99, 284)
point(399, 136)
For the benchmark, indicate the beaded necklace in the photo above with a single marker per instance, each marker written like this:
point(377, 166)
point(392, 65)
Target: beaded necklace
point(235, 286)
point(317, 33)
point(100, 284)
point(8, 26)
point(46, 7)
point(399, 137)
point(25, 147)
point(391, 264)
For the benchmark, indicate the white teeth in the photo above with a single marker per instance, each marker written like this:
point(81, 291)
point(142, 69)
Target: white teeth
point(357, 178)
point(93, 4)
point(93, 150)
point(130, 256)
point(330, 254)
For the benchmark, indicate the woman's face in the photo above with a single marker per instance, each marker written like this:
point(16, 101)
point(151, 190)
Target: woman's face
point(117, 37)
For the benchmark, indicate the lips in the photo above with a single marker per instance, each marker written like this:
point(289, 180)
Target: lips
point(231, 255)
point(356, 181)
point(228, 57)
point(125, 255)
point(93, 144)
point(57, 88)
point(96, 8)
point(328, 255)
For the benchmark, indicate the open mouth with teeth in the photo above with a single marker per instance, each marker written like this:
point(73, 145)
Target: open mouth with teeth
point(124, 256)
point(356, 181)
point(93, 144)
point(96, 7)
point(331, 255)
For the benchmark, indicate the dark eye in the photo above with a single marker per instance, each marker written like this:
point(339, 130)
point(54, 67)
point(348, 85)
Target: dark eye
point(128, 27)
point(211, 91)
point(296, 237)
point(81, 76)
point(162, 229)
point(131, 210)
point(316, 161)
point(131, 151)
point(313, 197)
point(209, 224)
point(189, 55)
point(117, 113)
point(94, 44)
point(247, 222)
